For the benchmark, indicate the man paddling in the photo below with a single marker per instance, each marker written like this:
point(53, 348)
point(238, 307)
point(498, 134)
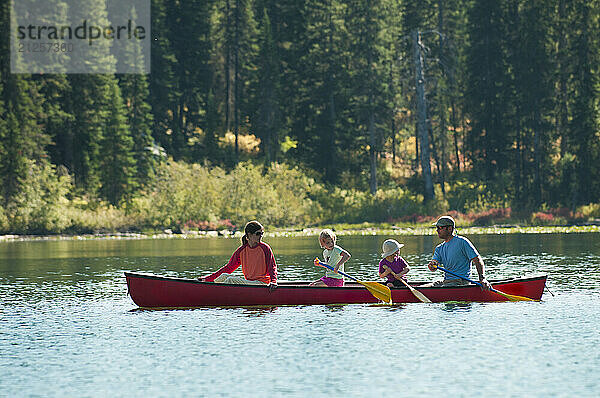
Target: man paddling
point(455, 253)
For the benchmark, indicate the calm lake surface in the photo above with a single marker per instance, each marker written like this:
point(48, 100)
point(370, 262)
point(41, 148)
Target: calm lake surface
point(68, 328)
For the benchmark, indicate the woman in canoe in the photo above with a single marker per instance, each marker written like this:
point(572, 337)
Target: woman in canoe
point(255, 257)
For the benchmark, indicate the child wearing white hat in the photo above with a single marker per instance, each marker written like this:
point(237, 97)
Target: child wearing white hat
point(392, 266)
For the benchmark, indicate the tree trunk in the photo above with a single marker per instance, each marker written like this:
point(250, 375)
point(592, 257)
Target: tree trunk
point(227, 69)
point(236, 72)
point(537, 150)
point(562, 120)
point(394, 107)
point(372, 152)
point(442, 105)
point(422, 118)
point(455, 134)
point(330, 171)
point(371, 123)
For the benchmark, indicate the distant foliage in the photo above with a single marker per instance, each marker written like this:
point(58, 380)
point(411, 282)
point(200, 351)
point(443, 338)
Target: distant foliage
point(196, 197)
point(542, 218)
point(4, 225)
point(41, 206)
point(218, 225)
point(183, 192)
point(511, 89)
point(340, 205)
point(465, 196)
point(491, 216)
point(99, 217)
point(590, 211)
point(414, 219)
point(193, 192)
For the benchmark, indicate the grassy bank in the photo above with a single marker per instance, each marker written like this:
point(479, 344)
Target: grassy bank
point(357, 229)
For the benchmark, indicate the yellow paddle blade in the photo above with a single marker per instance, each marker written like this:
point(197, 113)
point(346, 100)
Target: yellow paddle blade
point(378, 290)
point(421, 296)
point(417, 293)
point(513, 297)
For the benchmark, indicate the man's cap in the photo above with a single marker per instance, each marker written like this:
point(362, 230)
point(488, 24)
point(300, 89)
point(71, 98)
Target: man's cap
point(445, 221)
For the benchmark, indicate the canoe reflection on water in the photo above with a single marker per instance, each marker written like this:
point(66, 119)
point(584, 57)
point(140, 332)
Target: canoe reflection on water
point(153, 291)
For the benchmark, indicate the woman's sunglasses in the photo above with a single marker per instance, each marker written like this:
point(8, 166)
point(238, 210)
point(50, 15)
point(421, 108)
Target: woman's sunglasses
point(259, 233)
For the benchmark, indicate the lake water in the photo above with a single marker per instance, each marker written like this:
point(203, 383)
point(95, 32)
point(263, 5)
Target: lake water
point(68, 328)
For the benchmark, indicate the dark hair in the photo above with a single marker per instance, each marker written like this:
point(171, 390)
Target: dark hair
point(250, 228)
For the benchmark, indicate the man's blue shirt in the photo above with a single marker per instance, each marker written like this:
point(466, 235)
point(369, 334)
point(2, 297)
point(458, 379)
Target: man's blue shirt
point(456, 255)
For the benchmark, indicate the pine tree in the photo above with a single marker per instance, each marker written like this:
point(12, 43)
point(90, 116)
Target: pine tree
point(366, 23)
point(268, 116)
point(162, 80)
point(583, 139)
point(88, 101)
point(236, 51)
point(22, 138)
point(288, 26)
point(116, 159)
point(189, 24)
point(322, 100)
point(530, 97)
point(489, 139)
point(55, 90)
point(85, 132)
point(134, 89)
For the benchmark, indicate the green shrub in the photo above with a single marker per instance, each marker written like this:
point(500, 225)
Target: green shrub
point(182, 192)
point(102, 218)
point(351, 206)
point(193, 194)
point(4, 226)
point(589, 211)
point(41, 205)
point(293, 189)
point(247, 195)
point(468, 197)
point(544, 219)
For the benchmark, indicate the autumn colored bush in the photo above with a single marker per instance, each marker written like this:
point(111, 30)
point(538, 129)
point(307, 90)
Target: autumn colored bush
point(491, 216)
point(542, 218)
point(209, 225)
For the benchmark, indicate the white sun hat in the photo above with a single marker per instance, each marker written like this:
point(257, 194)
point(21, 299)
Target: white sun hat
point(391, 246)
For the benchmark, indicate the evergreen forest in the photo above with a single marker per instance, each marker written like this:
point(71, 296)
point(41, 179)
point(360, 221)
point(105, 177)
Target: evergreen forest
point(300, 113)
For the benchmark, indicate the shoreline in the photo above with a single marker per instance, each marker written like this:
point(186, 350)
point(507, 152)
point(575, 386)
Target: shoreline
point(289, 232)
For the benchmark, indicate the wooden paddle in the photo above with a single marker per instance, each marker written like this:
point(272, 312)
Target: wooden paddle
point(417, 293)
point(378, 290)
point(511, 297)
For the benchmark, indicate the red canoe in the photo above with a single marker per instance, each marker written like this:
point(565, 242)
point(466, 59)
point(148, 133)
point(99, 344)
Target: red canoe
point(152, 291)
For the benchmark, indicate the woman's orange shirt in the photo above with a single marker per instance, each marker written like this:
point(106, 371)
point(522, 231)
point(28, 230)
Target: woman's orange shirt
point(258, 263)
